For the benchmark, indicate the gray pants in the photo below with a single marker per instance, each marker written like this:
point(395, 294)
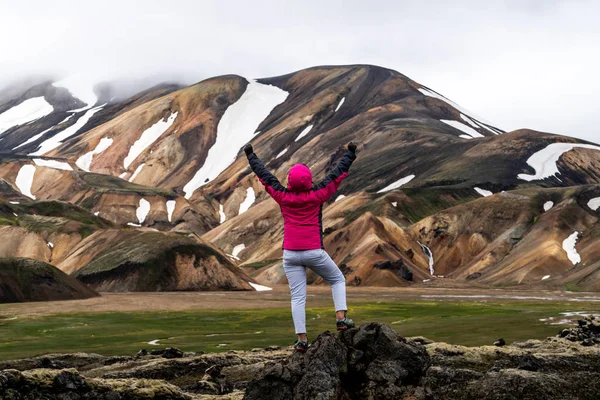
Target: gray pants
point(295, 264)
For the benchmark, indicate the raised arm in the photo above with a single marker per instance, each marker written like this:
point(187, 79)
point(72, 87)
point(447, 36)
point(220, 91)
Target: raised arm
point(332, 181)
point(272, 185)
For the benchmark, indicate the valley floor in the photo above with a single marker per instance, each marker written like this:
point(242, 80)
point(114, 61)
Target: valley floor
point(119, 324)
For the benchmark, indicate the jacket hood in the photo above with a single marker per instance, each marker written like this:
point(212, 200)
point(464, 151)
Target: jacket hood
point(299, 178)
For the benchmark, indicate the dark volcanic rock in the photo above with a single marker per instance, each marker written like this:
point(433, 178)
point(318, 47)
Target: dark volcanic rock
point(587, 332)
point(372, 361)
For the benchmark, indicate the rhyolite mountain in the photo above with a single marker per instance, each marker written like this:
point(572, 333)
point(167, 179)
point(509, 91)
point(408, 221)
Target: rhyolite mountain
point(436, 195)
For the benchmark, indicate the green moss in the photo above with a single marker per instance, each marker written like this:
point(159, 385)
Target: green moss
point(110, 184)
point(124, 333)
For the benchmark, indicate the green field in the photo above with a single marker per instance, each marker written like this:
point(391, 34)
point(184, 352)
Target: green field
point(123, 333)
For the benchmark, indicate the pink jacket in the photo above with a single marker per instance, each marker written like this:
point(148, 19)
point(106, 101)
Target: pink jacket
point(302, 203)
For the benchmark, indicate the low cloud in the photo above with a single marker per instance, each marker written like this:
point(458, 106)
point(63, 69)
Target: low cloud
point(518, 64)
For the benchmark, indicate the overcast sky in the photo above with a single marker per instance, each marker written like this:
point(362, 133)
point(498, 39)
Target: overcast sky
point(520, 63)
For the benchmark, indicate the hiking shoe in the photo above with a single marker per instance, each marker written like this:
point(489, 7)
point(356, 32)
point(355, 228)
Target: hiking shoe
point(344, 324)
point(301, 345)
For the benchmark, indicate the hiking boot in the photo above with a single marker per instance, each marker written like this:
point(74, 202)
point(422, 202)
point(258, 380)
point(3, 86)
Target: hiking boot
point(344, 324)
point(301, 345)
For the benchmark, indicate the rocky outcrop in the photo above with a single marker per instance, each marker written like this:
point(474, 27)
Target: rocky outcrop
point(587, 332)
point(369, 362)
point(373, 362)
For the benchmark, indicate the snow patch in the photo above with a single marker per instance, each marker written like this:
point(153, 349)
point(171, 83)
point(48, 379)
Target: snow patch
point(483, 192)
point(56, 140)
point(340, 104)
point(39, 135)
point(545, 277)
point(248, 201)
point(259, 288)
point(51, 245)
point(143, 210)
point(548, 205)
point(132, 224)
point(136, 172)
point(171, 208)
point(123, 175)
point(394, 203)
point(462, 127)
point(97, 213)
point(468, 120)
point(569, 246)
point(304, 132)
point(154, 342)
point(24, 180)
point(27, 111)
point(236, 128)
point(14, 202)
point(52, 164)
point(397, 184)
point(429, 254)
point(85, 161)
point(238, 249)
point(465, 136)
point(80, 87)
point(431, 93)
point(222, 216)
point(341, 196)
point(544, 161)
point(282, 153)
point(148, 137)
point(594, 204)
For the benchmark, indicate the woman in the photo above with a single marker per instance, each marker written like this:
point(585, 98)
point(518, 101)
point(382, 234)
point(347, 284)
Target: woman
point(301, 204)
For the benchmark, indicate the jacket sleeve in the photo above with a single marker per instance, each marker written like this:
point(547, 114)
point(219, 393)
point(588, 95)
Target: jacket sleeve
point(332, 181)
point(270, 182)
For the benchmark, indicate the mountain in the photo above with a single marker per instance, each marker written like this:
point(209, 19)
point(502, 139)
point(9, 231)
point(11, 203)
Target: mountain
point(24, 279)
point(435, 191)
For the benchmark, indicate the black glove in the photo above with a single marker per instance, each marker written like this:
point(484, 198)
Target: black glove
point(352, 147)
point(248, 149)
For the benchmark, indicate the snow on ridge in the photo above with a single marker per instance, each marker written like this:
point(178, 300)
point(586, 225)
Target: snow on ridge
point(27, 111)
point(236, 128)
point(171, 209)
point(52, 164)
point(397, 184)
point(545, 277)
point(57, 140)
point(431, 93)
point(142, 211)
point(340, 104)
point(222, 216)
point(248, 201)
point(304, 132)
point(85, 161)
point(465, 136)
point(569, 246)
point(483, 192)
point(544, 161)
point(148, 137)
point(594, 204)
point(282, 152)
point(341, 196)
point(259, 288)
point(39, 135)
point(136, 172)
point(462, 127)
point(469, 121)
point(548, 205)
point(237, 250)
point(80, 88)
point(24, 180)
